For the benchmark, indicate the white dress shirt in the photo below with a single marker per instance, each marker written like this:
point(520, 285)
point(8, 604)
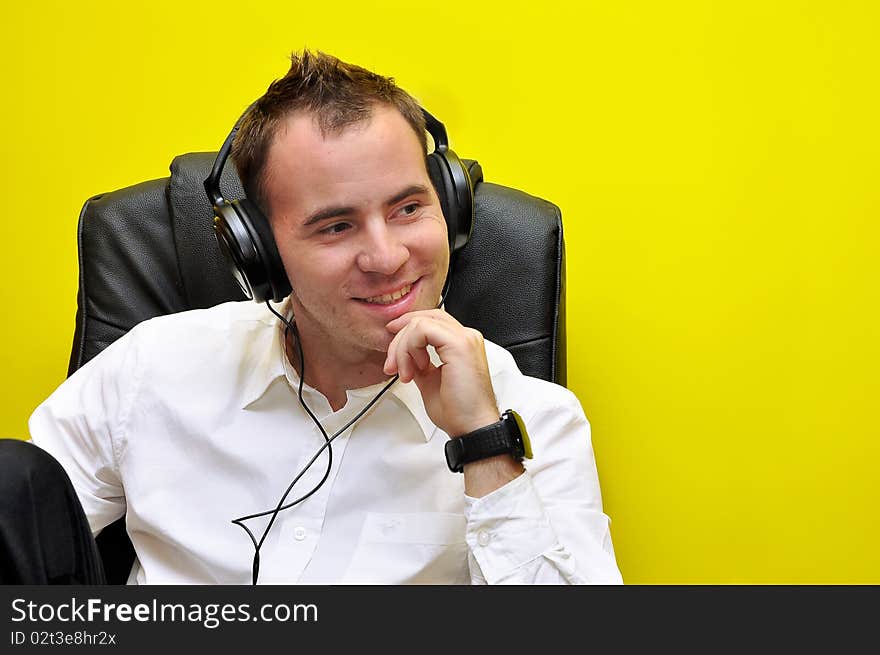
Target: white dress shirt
point(192, 420)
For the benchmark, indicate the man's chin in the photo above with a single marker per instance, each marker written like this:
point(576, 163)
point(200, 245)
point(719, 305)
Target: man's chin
point(374, 335)
point(377, 341)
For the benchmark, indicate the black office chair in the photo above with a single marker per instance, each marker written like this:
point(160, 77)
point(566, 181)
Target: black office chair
point(149, 250)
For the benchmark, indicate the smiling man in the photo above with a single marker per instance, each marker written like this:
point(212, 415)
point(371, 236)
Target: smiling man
point(192, 425)
point(359, 228)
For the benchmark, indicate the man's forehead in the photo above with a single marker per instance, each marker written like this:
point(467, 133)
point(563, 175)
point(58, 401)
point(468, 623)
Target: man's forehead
point(364, 163)
point(385, 132)
point(318, 127)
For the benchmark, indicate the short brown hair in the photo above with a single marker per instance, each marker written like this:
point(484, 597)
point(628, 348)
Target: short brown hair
point(337, 94)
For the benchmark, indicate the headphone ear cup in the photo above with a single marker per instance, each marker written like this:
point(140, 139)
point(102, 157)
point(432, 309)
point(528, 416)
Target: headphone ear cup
point(455, 190)
point(271, 277)
point(246, 242)
point(443, 185)
point(237, 247)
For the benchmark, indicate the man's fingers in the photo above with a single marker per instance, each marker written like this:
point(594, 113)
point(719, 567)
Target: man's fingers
point(396, 361)
point(390, 366)
point(408, 350)
point(436, 314)
point(421, 358)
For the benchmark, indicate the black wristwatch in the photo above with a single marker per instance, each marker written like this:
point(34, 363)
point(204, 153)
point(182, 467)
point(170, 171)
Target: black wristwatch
point(506, 436)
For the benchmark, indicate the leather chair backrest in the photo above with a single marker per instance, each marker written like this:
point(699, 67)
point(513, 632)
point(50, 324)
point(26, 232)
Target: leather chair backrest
point(149, 250)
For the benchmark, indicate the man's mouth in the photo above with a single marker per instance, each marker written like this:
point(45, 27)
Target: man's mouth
point(388, 298)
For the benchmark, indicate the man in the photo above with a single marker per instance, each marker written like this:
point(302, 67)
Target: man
point(190, 424)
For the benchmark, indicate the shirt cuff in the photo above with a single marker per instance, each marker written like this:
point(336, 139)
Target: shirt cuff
point(508, 528)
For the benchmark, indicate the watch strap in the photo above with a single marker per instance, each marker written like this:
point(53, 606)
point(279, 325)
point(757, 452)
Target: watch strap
point(489, 441)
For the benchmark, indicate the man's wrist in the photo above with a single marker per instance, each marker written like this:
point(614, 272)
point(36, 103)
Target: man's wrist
point(486, 475)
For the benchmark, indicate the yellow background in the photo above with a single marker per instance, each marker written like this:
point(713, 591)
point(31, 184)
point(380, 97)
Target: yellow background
point(716, 164)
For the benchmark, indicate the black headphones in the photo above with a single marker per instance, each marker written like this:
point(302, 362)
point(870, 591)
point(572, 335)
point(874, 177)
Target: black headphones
point(248, 245)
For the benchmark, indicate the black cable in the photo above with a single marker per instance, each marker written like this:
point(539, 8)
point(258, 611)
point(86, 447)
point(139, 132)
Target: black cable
point(255, 569)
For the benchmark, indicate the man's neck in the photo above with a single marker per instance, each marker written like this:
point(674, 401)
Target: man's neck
point(333, 374)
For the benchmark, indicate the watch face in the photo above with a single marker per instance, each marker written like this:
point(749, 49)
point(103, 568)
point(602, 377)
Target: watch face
point(520, 424)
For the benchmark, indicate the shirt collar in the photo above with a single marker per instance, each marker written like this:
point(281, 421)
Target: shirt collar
point(264, 355)
point(267, 354)
point(411, 397)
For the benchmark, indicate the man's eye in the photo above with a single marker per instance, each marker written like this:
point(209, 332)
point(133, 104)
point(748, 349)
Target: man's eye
point(336, 228)
point(410, 209)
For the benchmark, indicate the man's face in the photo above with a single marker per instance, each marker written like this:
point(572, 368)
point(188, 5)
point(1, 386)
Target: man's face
point(358, 226)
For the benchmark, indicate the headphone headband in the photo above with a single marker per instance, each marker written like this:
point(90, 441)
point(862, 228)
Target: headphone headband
point(437, 131)
point(212, 182)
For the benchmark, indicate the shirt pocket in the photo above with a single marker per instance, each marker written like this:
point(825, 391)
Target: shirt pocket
point(410, 548)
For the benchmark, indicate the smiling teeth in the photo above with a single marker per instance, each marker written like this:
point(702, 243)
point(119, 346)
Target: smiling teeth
point(389, 298)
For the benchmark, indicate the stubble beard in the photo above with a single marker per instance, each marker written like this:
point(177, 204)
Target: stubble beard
point(347, 337)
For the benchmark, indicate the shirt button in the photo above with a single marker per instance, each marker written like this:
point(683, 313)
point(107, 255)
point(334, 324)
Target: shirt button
point(483, 538)
point(299, 533)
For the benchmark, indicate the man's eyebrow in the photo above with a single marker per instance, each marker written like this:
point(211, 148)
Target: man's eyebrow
point(336, 211)
point(414, 190)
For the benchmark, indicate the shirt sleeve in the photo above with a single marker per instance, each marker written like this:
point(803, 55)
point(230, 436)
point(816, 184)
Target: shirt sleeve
point(82, 425)
point(547, 525)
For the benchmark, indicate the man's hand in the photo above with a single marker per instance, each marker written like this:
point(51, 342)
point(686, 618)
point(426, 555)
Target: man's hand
point(458, 394)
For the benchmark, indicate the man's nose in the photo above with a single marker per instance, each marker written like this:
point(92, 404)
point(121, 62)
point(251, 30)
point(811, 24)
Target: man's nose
point(381, 250)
